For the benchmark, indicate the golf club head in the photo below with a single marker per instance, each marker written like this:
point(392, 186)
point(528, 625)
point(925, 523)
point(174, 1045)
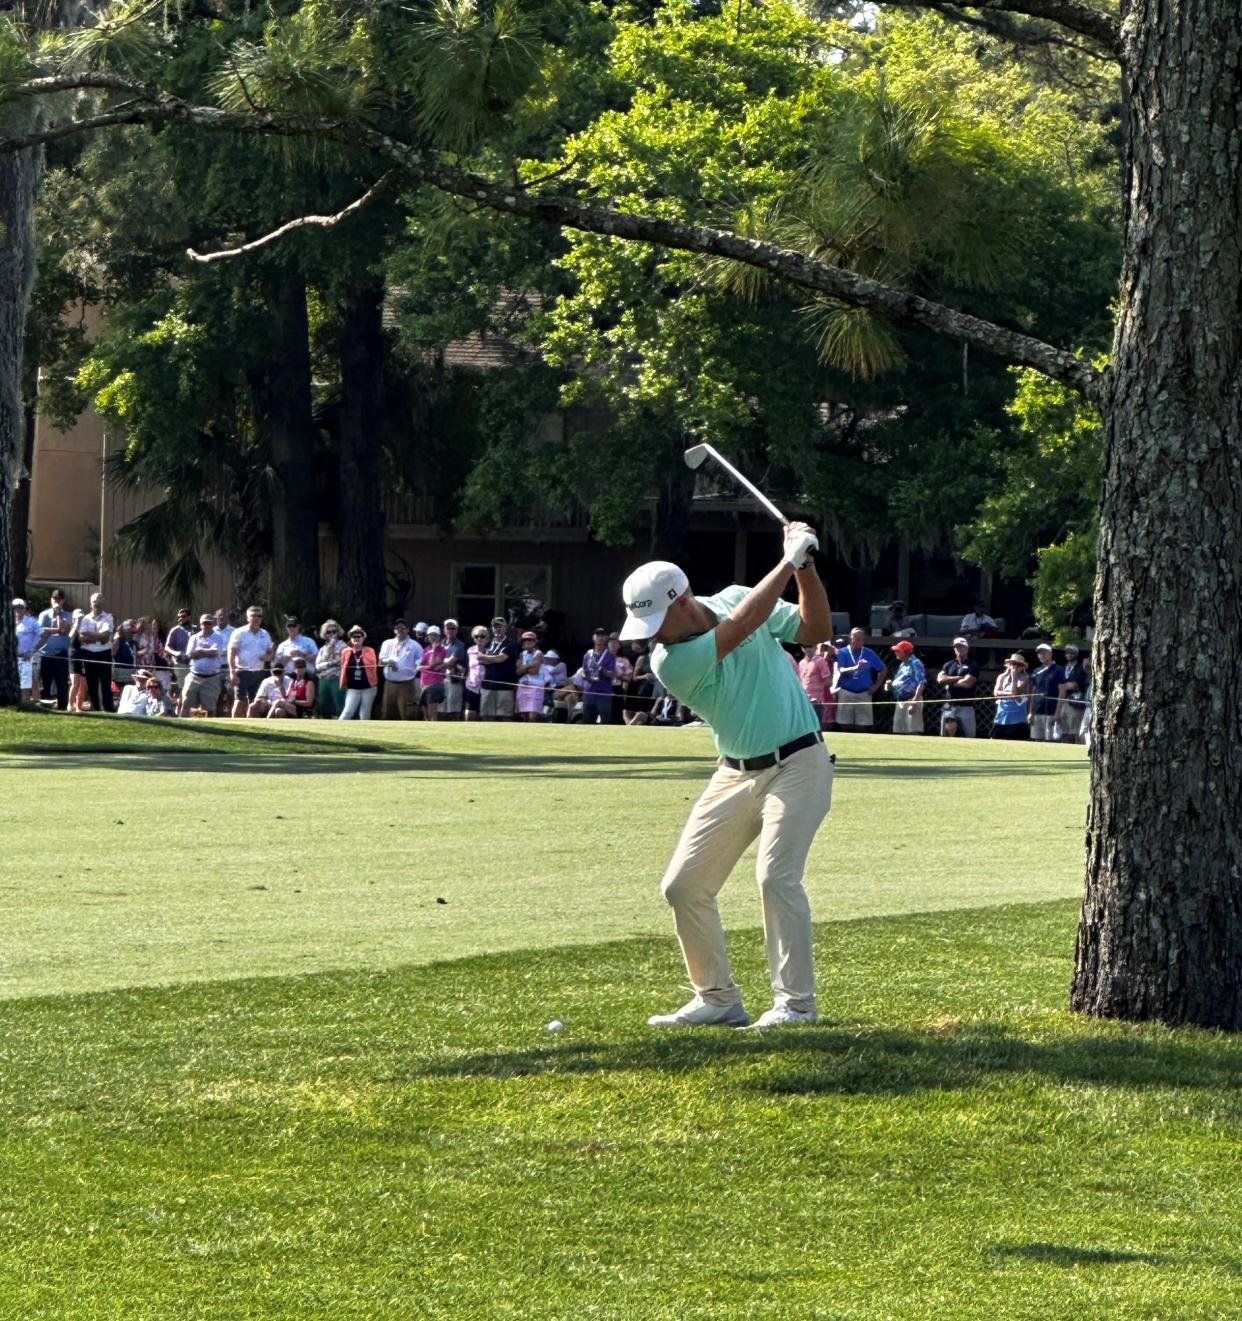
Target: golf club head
point(695, 456)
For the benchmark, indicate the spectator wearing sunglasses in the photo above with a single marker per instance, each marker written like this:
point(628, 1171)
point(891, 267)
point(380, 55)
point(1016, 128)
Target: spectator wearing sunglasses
point(359, 676)
point(328, 670)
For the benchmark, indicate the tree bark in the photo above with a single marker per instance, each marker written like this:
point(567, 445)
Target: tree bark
point(19, 529)
point(19, 179)
point(295, 506)
point(360, 532)
point(1160, 935)
point(670, 523)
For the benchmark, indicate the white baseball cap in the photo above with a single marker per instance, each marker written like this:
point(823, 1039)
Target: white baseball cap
point(960, 642)
point(648, 592)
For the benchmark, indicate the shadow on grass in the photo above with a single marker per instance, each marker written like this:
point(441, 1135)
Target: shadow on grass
point(829, 1060)
point(1066, 1254)
point(281, 754)
point(425, 763)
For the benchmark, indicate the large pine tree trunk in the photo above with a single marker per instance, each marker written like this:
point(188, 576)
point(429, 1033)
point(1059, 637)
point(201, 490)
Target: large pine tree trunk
point(19, 177)
point(295, 508)
point(19, 528)
point(1160, 936)
point(359, 451)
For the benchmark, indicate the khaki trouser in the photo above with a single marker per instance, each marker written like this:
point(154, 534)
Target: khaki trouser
point(908, 722)
point(853, 710)
point(401, 699)
point(783, 806)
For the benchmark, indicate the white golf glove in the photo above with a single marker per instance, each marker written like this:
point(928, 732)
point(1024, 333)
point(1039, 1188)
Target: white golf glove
point(800, 541)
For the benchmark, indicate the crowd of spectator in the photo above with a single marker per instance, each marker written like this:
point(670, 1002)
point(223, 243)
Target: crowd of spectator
point(226, 664)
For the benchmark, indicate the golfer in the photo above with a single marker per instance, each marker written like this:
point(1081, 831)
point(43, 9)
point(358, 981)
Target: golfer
point(721, 656)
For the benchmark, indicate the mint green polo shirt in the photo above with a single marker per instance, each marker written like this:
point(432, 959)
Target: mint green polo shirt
point(753, 699)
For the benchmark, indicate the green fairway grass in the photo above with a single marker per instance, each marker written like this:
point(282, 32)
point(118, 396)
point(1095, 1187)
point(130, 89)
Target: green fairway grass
point(149, 852)
point(251, 1066)
point(946, 1142)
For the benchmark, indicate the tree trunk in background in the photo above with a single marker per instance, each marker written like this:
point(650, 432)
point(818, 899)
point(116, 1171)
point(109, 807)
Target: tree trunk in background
point(19, 179)
point(670, 524)
point(360, 533)
point(1160, 935)
point(19, 528)
point(295, 506)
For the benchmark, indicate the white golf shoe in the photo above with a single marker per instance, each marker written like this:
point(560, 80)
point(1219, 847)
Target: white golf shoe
point(783, 1016)
point(698, 1013)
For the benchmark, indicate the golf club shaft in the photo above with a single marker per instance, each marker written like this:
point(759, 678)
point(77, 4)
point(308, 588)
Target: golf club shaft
point(749, 485)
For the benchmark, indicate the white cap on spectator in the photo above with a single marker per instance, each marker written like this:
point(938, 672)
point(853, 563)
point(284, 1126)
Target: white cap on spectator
point(433, 629)
point(451, 623)
point(420, 627)
point(648, 592)
point(960, 642)
point(551, 655)
point(17, 600)
point(1043, 646)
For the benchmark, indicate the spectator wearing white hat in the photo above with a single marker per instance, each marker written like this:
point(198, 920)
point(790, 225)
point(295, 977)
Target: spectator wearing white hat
point(26, 627)
point(960, 680)
point(431, 674)
point(1046, 681)
point(553, 674)
point(456, 662)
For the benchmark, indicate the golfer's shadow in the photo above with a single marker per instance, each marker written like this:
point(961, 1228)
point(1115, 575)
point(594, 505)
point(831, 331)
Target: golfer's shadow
point(837, 1059)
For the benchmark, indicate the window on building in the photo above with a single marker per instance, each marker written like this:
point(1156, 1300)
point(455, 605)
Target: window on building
point(519, 592)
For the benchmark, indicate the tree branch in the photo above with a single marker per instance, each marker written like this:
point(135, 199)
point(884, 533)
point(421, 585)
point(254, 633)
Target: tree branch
point(1069, 14)
point(1004, 28)
point(323, 222)
point(601, 218)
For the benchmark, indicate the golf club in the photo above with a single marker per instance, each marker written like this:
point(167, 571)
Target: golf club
point(694, 459)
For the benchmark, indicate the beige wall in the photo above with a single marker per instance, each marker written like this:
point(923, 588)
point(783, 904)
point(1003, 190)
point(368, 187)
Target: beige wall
point(64, 501)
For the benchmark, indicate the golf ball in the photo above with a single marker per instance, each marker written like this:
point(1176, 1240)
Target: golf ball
point(555, 1025)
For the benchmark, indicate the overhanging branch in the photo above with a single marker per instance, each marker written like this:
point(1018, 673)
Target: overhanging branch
point(322, 222)
point(601, 218)
point(1074, 17)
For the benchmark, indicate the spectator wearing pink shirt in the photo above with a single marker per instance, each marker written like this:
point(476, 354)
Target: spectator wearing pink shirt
point(474, 673)
point(431, 674)
point(815, 673)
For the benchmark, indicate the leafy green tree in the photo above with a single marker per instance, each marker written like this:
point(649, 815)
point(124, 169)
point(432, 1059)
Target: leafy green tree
point(1042, 515)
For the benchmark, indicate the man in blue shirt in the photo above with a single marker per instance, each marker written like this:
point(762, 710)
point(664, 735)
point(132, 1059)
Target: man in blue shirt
point(722, 656)
point(907, 687)
point(1046, 681)
point(859, 673)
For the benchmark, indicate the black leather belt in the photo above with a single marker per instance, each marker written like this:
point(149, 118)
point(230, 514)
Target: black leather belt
point(771, 758)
